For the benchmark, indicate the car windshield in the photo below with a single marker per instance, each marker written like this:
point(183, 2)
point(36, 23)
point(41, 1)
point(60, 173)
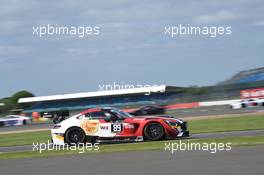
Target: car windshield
point(121, 113)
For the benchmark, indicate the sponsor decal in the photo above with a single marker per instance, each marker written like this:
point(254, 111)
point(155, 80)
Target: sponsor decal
point(90, 126)
point(104, 127)
point(129, 126)
point(117, 127)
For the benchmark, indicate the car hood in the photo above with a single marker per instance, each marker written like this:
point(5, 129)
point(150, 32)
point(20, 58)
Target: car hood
point(6, 119)
point(156, 117)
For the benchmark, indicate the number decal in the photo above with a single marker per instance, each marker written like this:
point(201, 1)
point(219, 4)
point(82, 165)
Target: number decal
point(117, 127)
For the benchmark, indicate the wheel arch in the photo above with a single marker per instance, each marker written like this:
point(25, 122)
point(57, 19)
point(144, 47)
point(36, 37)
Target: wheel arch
point(154, 121)
point(72, 127)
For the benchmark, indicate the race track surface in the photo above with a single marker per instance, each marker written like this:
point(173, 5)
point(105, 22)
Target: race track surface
point(240, 160)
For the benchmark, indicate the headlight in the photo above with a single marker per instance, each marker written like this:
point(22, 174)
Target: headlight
point(171, 123)
point(56, 126)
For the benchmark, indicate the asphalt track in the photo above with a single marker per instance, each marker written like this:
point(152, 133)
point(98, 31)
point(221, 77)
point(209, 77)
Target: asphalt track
point(239, 160)
point(194, 136)
point(179, 113)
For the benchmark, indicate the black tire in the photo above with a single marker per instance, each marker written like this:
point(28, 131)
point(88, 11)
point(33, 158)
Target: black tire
point(75, 135)
point(24, 122)
point(243, 105)
point(154, 131)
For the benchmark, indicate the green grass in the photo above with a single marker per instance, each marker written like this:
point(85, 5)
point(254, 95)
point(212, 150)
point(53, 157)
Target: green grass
point(24, 138)
point(254, 122)
point(250, 122)
point(235, 141)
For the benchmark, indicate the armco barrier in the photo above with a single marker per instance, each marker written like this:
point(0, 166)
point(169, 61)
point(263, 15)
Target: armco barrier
point(182, 105)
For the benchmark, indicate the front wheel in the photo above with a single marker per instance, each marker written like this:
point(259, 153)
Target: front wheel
point(154, 131)
point(75, 135)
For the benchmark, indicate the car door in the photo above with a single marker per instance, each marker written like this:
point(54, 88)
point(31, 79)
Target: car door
point(107, 124)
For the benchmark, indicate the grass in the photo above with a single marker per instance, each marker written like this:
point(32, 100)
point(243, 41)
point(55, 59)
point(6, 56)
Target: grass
point(250, 122)
point(235, 141)
point(254, 122)
point(24, 138)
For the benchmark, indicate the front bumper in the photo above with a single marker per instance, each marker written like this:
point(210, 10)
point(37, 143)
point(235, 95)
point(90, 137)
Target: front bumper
point(57, 138)
point(184, 134)
point(183, 130)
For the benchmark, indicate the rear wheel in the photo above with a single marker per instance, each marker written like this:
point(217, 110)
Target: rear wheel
point(24, 122)
point(154, 131)
point(75, 135)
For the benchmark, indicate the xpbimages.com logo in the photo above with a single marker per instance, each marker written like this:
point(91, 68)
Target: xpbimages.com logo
point(124, 86)
point(188, 30)
point(211, 147)
point(80, 147)
point(51, 30)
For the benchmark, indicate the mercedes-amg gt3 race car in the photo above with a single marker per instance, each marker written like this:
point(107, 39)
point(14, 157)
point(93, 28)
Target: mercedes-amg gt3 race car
point(112, 124)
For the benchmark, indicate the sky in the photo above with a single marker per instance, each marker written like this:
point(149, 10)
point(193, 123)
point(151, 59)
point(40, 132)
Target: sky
point(131, 48)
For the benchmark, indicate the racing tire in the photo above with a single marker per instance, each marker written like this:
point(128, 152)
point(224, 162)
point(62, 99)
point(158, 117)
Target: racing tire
point(243, 105)
point(24, 122)
point(154, 131)
point(75, 135)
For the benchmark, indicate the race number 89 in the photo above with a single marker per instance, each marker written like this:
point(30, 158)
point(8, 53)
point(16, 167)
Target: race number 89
point(116, 127)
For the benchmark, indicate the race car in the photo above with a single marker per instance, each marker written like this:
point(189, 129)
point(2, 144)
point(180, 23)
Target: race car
point(260, 101)
point(244, 103)
point(112, 124)
point(146, 110)
point(12, 120)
